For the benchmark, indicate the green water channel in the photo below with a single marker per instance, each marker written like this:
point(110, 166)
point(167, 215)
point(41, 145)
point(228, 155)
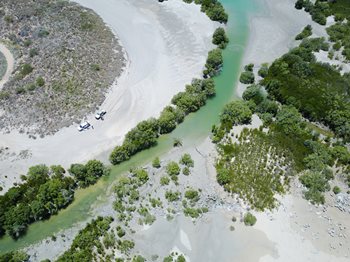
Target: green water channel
point(195, 128)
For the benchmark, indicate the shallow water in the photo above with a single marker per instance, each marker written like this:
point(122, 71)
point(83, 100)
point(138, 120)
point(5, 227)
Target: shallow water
point(195, 128)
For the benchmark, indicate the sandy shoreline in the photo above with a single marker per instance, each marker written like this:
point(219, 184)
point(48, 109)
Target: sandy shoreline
point(207, 238)
point(295, 231)
point(298, 230)
point(166, 46)
point(272, 33)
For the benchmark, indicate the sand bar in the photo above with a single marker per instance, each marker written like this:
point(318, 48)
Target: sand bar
point(166, 45)
point(272, 32)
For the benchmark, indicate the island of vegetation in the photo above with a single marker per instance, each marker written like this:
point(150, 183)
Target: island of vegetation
point(43, 193)
point(66, 59)
point(304, 132)
point(145, 134)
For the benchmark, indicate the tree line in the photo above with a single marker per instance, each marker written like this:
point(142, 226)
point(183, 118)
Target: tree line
point(298, 89)
point(146, 133)
point(213, 9)
point(44, 191)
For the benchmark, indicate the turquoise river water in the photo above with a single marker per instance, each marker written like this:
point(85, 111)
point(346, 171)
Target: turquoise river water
point(195, 128)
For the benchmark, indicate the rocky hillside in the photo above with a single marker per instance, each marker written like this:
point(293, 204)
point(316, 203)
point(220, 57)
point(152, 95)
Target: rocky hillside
point(66, 58)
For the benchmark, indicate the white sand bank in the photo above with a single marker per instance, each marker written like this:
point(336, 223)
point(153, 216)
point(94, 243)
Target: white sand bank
point(210, 239)
point(296, 231)
point(322, 56)
point(166, 45)
point(272, 32)
point(10, 64)
point(301, 232)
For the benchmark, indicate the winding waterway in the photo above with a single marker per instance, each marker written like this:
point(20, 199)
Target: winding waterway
point(195, 128)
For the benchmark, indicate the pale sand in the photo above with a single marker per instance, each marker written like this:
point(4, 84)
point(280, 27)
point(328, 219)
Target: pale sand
point(296, 231)
point(10, 64)
point(300, 231)
point(322, 56)
point(209, 238)
point(272, 33)
point(166, 45)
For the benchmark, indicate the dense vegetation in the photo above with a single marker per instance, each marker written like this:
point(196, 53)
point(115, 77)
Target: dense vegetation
point(3, 65)
point(321, 9)
point(318, 11)
point(307, 31)
point(42, 194)
point(214, 63)
point(16, 256)
point(213, 9)
point(220, 38)
point(256, 164)
point(87, 240)
point(89, 173)
point(255, 168)
point(297, 79)
point(247, 77)
point(145, 134)
point(339, 32)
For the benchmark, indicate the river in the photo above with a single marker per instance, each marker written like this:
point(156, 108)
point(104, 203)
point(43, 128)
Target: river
point(193, 130)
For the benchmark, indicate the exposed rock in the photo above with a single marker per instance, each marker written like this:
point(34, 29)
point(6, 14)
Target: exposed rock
point(343, 202)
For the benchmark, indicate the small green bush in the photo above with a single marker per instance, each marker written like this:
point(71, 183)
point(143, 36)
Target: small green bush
point(95, 67)
point(4, 95)
point(31, 87)
point(172, 196)
point(249, 67)
point(249, 219)
point(307, 31)
point(164, 180)
point(20, 90)
point(336, 190)
point(26, 69)
point(40, 81)
point(33, 52)
point(186, 171)
point(156, 162)
point(247, 78)
point(264, 70)
point(187, 160)
point(220, 38)
point(214, 62)
point(173, 169)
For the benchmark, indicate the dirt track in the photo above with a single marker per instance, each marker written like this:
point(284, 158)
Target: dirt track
point(10, 64)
